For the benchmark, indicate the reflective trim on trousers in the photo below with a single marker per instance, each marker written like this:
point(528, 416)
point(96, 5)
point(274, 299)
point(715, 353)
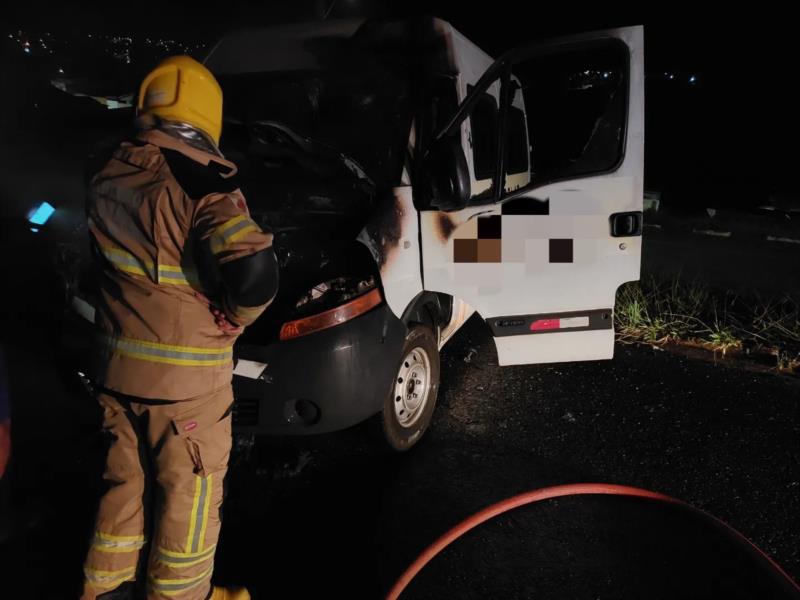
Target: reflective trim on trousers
point(186, 356)
point(109, 578)
point(169, 587)
point(184, 559)
point(199, 519)
point(105, 542)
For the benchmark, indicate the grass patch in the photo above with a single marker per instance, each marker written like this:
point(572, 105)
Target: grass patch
point(659, 311)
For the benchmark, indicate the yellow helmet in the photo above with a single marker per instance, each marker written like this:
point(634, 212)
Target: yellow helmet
point(181, 89)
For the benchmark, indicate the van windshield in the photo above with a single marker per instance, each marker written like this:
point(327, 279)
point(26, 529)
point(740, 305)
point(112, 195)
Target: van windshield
point(357, 108)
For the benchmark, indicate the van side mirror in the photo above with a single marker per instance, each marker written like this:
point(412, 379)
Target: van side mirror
point(447, 175)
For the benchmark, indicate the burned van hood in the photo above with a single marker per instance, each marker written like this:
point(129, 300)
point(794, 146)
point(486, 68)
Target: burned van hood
point(308, 194)
point(315, 226)
point(304, 209)
point(316, 200)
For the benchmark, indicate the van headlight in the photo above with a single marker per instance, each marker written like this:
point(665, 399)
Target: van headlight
point(332, 303)
point(333, 292)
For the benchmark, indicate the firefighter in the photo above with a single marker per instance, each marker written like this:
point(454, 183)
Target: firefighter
point(183, 268)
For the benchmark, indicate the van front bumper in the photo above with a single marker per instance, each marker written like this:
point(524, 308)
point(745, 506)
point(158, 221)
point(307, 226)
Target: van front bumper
point(322, 382)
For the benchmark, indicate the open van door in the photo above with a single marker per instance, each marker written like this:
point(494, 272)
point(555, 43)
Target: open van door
point(540, 251)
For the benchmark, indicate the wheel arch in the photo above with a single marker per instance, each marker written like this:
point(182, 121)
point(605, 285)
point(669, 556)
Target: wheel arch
point(429, 308)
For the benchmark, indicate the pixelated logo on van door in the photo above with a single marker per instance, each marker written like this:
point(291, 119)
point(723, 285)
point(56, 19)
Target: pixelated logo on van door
point(481, 239)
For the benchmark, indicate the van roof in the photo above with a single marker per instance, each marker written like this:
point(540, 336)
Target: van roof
point(278, 48)
point(295, 46)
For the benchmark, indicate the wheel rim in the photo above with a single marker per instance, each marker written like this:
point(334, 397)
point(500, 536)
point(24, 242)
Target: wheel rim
point(412, 387)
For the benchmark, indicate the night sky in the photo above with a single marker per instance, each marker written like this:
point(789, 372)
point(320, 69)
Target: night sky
point(735, 127)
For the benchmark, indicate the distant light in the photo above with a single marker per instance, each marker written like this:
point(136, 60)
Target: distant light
point(60, 70)
point(27, 50)
point(693, 79)
point(35, 229)
point(671, 76)
point(42, 214)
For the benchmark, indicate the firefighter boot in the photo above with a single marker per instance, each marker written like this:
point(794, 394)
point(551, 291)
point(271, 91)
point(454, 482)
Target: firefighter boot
point(229, 594)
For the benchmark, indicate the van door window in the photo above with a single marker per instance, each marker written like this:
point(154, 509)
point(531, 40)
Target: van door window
point(483, 125)
point(576, 105)
point(517, 148)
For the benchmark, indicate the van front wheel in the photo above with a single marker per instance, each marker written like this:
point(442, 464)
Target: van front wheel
point(408, 409)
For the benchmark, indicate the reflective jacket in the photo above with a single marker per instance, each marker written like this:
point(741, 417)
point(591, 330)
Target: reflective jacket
point(164, 218)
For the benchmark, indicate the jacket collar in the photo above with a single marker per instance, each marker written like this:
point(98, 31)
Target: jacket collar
point(150, 133)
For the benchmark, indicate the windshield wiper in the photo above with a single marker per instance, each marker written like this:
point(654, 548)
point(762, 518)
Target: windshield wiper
point(281, 134)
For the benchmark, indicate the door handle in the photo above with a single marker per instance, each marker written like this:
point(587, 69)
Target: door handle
point(626, 224)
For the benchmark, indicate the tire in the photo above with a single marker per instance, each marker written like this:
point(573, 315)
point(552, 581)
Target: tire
point(408, 407)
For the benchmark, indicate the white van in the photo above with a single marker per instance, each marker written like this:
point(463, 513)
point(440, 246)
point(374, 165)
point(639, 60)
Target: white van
point(410, 181)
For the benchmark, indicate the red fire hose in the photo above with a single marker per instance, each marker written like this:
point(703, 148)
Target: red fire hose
point(556, 491)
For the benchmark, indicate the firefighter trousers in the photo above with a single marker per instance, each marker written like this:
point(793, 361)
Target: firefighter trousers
point(159, 519)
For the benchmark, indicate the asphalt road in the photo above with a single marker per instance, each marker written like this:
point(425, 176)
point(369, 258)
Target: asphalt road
point(745, 266)
point(331, 516)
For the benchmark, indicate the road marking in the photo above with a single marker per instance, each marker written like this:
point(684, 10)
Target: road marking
point(785, 240)
point(711, 232)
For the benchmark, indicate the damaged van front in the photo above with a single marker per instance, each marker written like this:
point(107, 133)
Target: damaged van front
point(410, 181)
point(318, 119)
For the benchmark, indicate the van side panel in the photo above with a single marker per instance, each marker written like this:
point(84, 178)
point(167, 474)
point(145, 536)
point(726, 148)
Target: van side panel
point(392, 237)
